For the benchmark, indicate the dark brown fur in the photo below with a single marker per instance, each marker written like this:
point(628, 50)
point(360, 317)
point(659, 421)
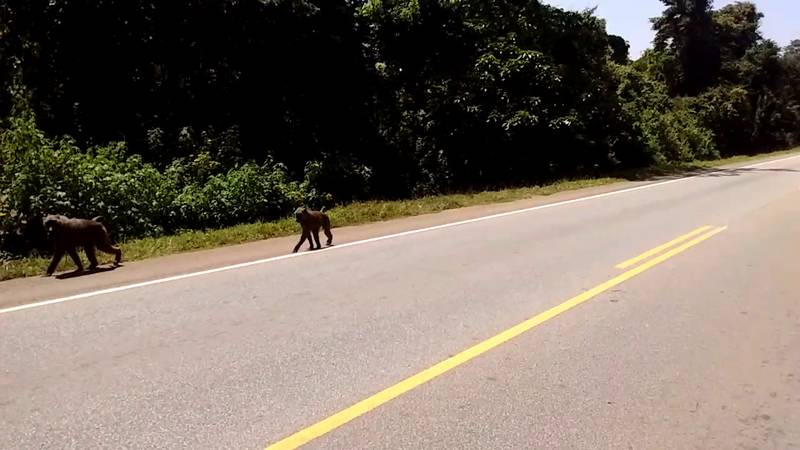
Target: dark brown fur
point(69, 234)
point(311, 221)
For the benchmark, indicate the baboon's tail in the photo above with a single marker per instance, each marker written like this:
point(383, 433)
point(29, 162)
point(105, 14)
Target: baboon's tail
point(322, 210)
point(100, 219)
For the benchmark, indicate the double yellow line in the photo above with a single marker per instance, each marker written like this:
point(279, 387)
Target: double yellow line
point(656, 250)
point(649, 259)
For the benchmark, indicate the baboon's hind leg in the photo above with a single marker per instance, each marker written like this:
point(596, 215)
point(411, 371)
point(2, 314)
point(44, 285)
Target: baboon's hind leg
point(326, 227)
point(91, 256)
point(106, 247)
point(316, 238)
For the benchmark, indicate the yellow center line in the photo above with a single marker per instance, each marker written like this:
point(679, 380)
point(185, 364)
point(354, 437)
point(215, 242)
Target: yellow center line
point(661, 248)
point(346, 415)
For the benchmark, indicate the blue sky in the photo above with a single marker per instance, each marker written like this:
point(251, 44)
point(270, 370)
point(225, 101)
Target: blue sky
point(630, 18)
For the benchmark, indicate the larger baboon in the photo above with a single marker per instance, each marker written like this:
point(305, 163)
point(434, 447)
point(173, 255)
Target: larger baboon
point(69, 234)
point(311, 222)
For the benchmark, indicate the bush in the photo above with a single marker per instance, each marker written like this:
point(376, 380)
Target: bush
point(53, 176)
point(667, 128)
point(43, 176)
point(245, 194)
point(727, 112)
point(337, 177)
point(676, 135)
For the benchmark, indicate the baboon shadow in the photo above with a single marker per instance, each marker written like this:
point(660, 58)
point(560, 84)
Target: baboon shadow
point(660, 174)
point(82, 273)
point(315, 249)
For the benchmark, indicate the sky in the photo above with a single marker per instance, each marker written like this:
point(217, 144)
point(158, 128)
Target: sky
point(630, 18)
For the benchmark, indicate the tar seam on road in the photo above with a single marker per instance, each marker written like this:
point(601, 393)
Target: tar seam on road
point(362, 242)
point(344, 416)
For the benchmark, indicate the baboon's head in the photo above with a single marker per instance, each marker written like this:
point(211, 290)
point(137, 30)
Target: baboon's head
point(300, 213)
point(50, 221)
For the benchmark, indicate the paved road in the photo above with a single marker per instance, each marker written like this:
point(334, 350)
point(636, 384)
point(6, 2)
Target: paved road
point(695, 347)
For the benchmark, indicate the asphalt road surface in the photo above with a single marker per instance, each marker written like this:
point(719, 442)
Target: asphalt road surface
point(534, 329)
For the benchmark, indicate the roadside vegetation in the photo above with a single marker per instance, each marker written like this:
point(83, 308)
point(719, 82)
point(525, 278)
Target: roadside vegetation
point(190, 125)
point(362, 212)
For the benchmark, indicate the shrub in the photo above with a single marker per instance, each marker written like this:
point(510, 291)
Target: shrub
point(44, 176)
point(676, 135)
point(243, 194)
point(727, 112)
point(53, 176)
point(667, 128)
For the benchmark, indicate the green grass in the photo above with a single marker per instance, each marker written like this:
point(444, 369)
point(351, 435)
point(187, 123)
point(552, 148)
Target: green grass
point(361, 213)
point(745, 158)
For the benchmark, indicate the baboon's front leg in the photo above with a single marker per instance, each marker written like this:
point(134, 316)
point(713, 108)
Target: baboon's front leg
point(303, 238)
point(57, 255)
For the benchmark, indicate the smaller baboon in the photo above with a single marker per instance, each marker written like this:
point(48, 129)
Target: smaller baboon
point(311, 221)
point(69, 234)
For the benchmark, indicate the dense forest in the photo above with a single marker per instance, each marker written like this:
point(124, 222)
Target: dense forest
point(189, 114)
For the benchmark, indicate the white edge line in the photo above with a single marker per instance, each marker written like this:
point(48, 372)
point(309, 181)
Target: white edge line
point(362, 242)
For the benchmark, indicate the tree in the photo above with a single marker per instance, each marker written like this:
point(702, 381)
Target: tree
point(686, 30)
point(790, 60)
point(737, 28)
point(528, 81)
point(790, 92)
point(286, 76)
point(737, 31)
point(620, 49)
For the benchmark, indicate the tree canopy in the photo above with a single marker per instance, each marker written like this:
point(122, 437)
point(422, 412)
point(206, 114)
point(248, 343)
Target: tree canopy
point(189, 107)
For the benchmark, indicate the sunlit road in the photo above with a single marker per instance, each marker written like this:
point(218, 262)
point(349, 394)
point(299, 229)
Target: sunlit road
point(553, 342)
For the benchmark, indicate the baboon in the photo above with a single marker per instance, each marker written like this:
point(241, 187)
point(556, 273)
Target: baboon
point(69, 234)
point(311, 221)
